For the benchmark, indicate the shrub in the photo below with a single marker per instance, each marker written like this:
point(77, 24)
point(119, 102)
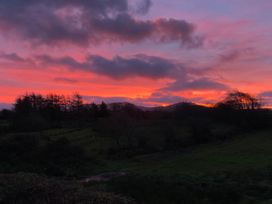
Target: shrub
point(201, 131)
point(24, 188)
point(18, 147)
point(152, 189)
point(60, 157)
point(31, 122)
point(31, 153)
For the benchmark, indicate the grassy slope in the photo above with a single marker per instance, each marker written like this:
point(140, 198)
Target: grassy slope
point(251, 151)
point(86, 138)
point(246, 152)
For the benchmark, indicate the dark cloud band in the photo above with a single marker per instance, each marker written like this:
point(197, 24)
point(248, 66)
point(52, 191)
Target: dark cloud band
point(119, 67)
point(196, 84)
point(84, 22)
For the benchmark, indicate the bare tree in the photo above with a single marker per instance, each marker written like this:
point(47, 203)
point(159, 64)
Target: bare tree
point(240, 101)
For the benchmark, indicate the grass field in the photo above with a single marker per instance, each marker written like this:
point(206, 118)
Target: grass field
point(245, 152)
point(240, 167)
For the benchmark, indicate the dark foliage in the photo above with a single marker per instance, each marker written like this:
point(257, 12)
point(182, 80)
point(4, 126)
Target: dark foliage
point(36, 112)
point(30, 153)
point(30, 188)
point(152, 189)
point(136, 131)
point(239, 101)
point(222, 188)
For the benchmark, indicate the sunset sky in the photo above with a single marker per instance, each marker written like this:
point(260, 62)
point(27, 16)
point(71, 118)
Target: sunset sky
point(148, 52)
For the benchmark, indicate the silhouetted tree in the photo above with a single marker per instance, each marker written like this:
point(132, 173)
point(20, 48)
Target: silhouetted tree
point(94, 110)
point(239, 101)
point(77, 103)
point(28, 103)
point(35, 110)
point(53, 107)
point(103, 110)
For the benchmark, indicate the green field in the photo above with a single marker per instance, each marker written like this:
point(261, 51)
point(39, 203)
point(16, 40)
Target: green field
point(245, 152)
point(237, 170)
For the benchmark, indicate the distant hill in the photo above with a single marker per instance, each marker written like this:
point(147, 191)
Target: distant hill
point(121, 105)
point(5, 106)
point(169, 108)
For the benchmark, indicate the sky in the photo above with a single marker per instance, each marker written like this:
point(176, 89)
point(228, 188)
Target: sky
point(148, 52)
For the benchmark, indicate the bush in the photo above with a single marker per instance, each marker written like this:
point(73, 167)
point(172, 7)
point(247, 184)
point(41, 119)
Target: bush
point(245, 187)
point(152, 189)
point(60, 157)
point(201, 131)
point(32, 122)
point(18, 147)
point(30, 188)
point(31, 153)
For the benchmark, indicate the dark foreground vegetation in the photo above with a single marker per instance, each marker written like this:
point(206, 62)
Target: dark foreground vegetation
point(183, 153)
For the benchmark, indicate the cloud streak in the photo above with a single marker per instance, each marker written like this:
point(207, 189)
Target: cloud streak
point(119, 67)
point(141, 66)
point(197, 84)
point(11, 57)
point(84, 23)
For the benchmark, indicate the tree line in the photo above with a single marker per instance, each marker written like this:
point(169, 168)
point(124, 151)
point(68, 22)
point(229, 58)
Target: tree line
point(53, 104)
point(128, 130)
point(35, 111)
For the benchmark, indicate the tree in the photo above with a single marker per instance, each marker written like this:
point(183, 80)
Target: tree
point(103, 110)
point(28, 103)
point(239, 101)
point(53, 107)
point(77, 103)
point(94, 110)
